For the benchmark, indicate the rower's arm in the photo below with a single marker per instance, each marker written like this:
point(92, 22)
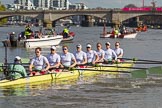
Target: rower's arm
point(74, 62)
point(84, 59)
point(121, 54)
point(114, 55)
point(47, 66)
point(102, 57)
point(96, 58)
point(30, 67)
point(56, 65)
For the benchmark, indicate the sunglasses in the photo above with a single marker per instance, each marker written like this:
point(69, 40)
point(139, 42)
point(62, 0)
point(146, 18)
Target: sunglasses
point(52, 49)
point(37, 52)
point(116, 45)
point(64, 49)
point(88, 47)
point(98, 46)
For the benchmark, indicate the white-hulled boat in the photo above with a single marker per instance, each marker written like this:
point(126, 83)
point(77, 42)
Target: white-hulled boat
point(46, 40)
point(129, 36)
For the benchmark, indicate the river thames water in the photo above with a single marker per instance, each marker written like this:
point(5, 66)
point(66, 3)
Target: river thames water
point(92, 92)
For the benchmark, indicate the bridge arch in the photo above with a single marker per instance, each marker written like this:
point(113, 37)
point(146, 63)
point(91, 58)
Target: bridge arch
point(126, 15)
point(61, 17)
point(55, 17)
point(7, 16)
point(114, 15)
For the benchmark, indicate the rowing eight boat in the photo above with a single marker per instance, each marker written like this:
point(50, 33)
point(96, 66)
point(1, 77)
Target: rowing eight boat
point(66, 75)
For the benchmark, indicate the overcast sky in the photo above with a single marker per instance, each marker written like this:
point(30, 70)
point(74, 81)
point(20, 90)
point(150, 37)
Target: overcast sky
point(106, 3)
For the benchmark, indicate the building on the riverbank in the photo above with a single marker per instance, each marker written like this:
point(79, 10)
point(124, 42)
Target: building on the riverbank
point(23, 5)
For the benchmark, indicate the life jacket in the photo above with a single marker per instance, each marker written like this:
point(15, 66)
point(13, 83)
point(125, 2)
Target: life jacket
point(66, 31)
point(116, 32)
point(27, 32)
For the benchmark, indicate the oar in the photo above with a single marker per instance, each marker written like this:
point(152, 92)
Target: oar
point(134, 74)
point(134, 62)
point(13, 63)
point(135, 59)
point(91, 69)
point(155, 70)
point(139, 73)
point(141, 62)
point(88, 69)
point(150, 71)
point(120, 67)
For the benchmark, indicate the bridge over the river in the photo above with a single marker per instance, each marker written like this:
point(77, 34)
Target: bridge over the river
point(115, 16)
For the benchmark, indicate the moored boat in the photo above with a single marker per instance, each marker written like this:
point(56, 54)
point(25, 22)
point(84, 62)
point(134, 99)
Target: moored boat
point(128, 35)
point(122, 33)
point(69, 38)
point(142, 28)
point(45, 37)
point(30, 43)
point(65, 75)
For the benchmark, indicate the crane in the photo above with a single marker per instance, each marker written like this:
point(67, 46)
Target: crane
point(143, 3)
point(153, 3)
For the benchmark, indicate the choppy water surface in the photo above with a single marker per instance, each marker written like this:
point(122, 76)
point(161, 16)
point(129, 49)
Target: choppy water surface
point(92, 92)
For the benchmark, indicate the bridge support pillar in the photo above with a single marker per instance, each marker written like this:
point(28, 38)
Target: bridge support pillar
point(88, 22)
point(47, 23)
point(138, 21)
point(54, 24)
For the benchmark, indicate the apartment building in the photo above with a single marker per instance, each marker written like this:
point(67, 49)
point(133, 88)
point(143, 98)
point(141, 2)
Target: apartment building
point(23, 4)
point(46, 4)
point(59, 4)
point(42, 4)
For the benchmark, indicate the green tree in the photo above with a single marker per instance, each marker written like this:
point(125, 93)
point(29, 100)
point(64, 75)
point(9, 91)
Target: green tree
point(4, 20)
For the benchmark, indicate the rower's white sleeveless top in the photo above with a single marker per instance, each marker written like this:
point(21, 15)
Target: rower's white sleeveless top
point(80, 56)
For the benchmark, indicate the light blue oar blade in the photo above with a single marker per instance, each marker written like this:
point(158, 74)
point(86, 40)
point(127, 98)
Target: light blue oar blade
point(155, 70)
point(139, 73)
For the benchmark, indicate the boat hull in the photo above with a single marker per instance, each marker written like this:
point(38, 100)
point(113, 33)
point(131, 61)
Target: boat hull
point(67, 39)
point(66, 75)
point(31, 43)
point(128, 36)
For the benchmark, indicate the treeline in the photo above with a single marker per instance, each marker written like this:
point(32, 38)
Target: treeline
point(4, 20)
